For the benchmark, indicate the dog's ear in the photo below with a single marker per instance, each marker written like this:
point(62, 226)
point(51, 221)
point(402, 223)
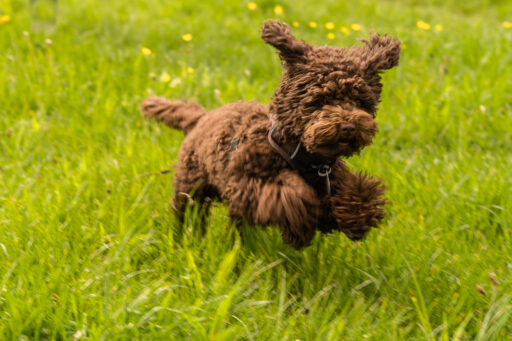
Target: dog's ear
point(277, 34)
point(379, 53)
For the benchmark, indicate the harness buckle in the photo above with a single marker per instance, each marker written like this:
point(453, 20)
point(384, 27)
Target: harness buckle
point(234, 144)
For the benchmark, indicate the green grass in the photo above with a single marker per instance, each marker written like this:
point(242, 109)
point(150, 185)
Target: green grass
point(89, 248)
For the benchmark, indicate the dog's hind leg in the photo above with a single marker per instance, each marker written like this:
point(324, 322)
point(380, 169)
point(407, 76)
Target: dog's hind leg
point(191, 190)
point(287, 201)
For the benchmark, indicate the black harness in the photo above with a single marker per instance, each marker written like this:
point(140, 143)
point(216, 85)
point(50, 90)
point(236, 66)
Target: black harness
point(314, 168)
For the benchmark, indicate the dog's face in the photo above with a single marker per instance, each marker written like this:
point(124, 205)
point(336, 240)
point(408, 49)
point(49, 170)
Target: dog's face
point(328, 96)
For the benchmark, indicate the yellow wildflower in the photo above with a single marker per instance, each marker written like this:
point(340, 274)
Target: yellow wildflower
point(507, 24)
point(329, 25)
point(145, 51)
point(403, 46)
point(187, 37)
point(423, 25)
point(313, 24)
point(345, 30)
point(438, 27)
point(252, 6)
point(356, 27)
point(295, 24)
point(4, 19)
point(165, 77)
point(331, 36)
point(278, 10)
point(190, 70)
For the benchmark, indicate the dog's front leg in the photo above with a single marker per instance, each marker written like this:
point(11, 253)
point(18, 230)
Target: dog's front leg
point(355, 204)
point(286, 200)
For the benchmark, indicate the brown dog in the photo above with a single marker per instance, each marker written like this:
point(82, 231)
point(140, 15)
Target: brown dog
point(280, 164)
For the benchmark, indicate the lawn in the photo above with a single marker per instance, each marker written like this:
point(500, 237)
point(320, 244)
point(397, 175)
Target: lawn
point(89, 248)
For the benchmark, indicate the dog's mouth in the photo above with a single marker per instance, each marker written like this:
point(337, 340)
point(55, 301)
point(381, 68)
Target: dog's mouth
point(344, 147)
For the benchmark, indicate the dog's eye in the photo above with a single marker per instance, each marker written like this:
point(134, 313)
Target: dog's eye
point(367, 106)
point(363, 104)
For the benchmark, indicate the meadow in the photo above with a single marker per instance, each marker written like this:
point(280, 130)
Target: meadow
point(89, 248)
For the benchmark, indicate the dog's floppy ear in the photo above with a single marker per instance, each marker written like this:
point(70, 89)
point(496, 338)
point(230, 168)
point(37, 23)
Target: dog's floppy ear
point(277, 34)
point(380, 53)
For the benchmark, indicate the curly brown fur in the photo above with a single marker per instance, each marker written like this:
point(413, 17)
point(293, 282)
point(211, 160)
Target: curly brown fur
point(176, 114)
point(327, 101)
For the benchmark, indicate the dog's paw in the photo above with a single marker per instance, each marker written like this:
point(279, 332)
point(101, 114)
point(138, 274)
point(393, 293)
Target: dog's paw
point(359, 206)
point(356, 226)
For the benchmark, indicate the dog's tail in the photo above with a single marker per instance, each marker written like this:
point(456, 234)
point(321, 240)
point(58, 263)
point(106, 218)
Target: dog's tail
point(176, 114)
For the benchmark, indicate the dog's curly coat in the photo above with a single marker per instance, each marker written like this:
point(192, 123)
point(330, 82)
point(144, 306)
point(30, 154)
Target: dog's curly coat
point(324, 108)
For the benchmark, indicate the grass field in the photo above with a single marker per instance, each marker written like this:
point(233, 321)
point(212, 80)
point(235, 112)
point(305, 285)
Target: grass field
point(89, 248)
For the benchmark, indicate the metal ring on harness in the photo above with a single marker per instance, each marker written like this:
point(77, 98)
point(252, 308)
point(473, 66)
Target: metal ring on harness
point(324, 170)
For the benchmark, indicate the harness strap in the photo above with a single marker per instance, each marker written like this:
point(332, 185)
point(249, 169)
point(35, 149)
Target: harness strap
point(323, 169)
point(280, 149)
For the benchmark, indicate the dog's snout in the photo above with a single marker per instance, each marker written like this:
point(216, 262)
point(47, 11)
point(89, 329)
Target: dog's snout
point(348, 128)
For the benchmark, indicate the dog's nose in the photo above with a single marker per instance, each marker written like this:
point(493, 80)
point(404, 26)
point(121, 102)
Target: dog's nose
point(348, 128)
